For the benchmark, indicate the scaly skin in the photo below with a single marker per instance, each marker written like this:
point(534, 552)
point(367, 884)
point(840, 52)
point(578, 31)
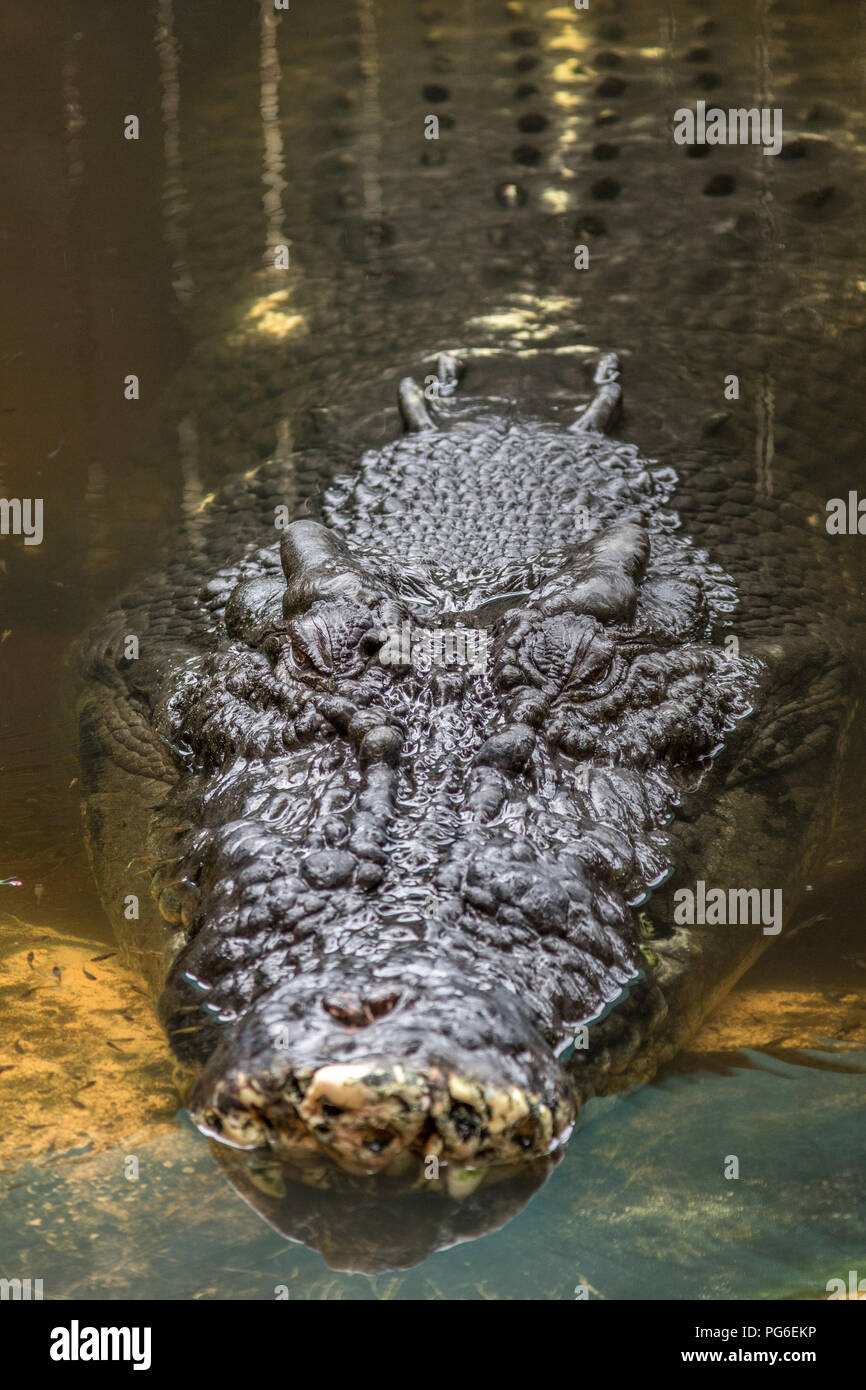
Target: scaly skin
point(388, 897)
point(399, 244)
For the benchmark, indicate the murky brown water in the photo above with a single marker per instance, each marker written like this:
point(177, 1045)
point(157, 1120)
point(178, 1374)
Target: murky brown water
point(152, 257)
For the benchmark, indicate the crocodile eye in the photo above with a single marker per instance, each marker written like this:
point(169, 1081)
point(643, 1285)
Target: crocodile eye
point(594, 678)
point(300, 657)
point(599, 670)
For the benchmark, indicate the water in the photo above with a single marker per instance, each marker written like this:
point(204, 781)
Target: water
point(155, 257)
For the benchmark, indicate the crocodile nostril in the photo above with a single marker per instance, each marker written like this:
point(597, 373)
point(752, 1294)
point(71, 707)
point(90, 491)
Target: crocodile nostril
point(356, 1011)
point(465, 1120)
point(378, 1143)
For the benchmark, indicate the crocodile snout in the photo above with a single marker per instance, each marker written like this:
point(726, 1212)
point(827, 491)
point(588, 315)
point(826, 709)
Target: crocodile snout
point(367, 1076)
point(365, 1115)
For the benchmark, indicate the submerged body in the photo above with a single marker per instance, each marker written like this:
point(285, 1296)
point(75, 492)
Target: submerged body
point(402, 778)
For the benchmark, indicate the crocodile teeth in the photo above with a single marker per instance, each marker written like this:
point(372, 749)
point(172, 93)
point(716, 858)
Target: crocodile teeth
point(365, 1114)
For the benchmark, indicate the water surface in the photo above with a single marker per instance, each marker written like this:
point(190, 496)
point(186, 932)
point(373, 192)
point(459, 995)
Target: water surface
point(155, 257)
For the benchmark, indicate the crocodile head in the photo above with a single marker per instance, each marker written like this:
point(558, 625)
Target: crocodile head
point(420, 805)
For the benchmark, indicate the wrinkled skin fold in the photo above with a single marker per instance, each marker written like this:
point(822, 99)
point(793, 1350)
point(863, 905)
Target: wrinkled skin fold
point(392, 890)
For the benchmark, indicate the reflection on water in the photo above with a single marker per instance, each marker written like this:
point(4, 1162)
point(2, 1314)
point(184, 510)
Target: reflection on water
point(391, 1223)
point(638, 1208)
point(159, 257)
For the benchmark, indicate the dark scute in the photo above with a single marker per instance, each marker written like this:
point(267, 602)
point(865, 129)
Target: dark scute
point(327, 868)
point(381, 745)
point(254, 606)
point(508, 751)
point(307, 545)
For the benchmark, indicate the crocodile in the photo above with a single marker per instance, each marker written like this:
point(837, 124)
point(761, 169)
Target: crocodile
point(403, 778)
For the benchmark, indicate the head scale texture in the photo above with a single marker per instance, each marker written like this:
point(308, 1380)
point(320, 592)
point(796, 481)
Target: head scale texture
point(428, 759)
